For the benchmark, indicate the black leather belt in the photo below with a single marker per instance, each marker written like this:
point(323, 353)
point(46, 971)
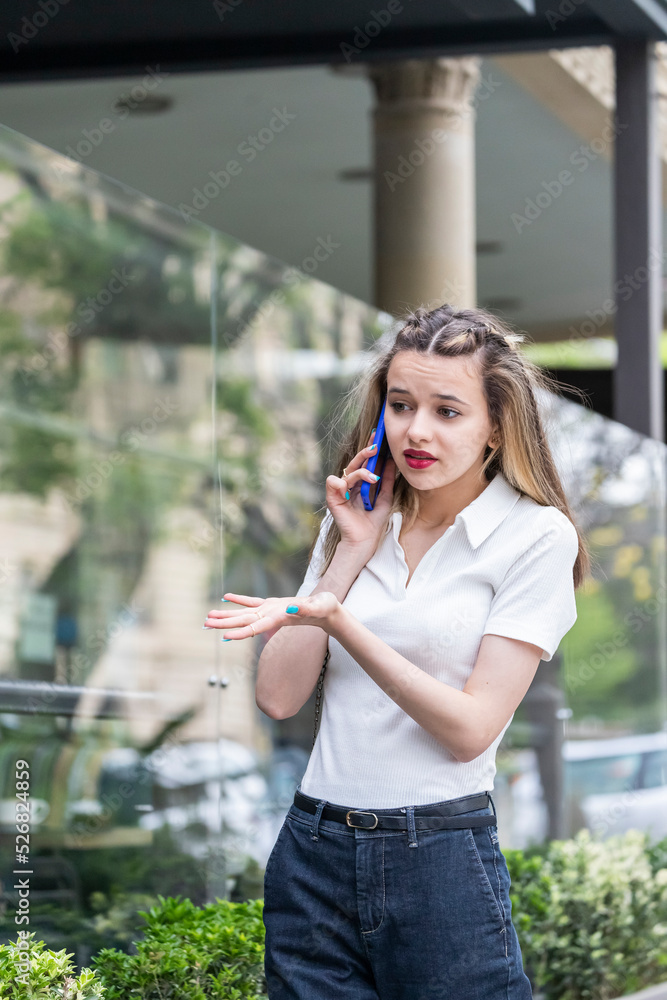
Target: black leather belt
point(444, 817)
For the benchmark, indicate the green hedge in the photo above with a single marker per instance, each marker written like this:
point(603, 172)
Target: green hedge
point(591, 915)
point(50, 976)
point(186, 952)
point(591, 918)
point(216, 950)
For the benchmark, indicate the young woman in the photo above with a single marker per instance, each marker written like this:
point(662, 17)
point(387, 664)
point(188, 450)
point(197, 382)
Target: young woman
point(386, 881)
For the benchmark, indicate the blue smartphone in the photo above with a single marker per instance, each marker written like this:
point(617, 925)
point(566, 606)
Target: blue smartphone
point(376, 462)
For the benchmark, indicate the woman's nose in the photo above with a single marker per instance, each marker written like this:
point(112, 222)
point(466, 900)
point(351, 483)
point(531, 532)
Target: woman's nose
point(421, 424)
point(419, 430)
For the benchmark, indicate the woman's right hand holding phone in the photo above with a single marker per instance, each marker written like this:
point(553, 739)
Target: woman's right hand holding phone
point(360, 527)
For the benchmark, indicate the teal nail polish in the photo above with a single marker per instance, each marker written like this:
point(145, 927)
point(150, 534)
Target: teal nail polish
point(209, 627)
point(373, 432)
point(374, 476)
point(347, 495)
point(225, 600)
point(292, 609)
point(226, 640)
point(373, 447)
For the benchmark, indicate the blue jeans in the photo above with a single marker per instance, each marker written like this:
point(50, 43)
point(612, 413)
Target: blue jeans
point(356, 914)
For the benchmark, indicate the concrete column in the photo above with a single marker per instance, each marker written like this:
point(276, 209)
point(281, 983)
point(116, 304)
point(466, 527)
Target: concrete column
point(424, 208)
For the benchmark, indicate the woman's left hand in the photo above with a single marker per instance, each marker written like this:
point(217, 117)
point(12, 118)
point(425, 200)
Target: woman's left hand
point(318, 609)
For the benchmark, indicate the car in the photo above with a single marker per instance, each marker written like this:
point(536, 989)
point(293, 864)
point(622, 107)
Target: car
point(611, 785)
point(617, 784)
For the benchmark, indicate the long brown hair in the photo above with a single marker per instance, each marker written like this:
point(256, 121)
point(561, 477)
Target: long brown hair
point(509, 381)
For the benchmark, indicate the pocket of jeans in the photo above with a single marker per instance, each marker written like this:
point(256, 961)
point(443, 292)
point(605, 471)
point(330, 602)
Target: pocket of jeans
point(274, 850)
point(485, 854)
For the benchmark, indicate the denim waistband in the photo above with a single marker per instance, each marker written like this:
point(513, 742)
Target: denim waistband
point(447, 815)
point(398, 810)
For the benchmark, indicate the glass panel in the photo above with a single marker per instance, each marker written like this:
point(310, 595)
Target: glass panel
point(604, 699)
point(105, 453)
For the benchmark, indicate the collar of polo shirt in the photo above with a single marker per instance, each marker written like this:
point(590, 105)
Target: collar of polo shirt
point(484, 514)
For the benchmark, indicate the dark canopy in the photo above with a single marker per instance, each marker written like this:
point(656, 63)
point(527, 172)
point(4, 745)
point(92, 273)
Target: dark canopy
point(86, 38)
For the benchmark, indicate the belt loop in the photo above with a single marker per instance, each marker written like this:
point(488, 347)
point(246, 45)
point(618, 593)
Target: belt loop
point(316, 822)
point(412, 832)
point(493, 805)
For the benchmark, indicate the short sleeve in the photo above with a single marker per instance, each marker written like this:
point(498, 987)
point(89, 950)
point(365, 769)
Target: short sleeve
point(314, 571)
point(536, 601)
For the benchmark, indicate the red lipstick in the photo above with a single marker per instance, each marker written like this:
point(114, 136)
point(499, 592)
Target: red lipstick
point(418, 459)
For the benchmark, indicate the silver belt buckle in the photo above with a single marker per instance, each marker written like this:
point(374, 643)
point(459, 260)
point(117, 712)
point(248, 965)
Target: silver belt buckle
point(360, 812)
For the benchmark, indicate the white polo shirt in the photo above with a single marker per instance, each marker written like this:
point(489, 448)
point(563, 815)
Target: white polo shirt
point(504, 566)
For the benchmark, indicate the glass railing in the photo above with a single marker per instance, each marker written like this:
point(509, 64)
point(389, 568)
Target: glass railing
point(166, 398)
point(600, 707)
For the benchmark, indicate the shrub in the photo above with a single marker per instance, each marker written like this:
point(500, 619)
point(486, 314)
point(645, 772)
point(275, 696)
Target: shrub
point(190, 952)
point(50, 976)
point(591, 915)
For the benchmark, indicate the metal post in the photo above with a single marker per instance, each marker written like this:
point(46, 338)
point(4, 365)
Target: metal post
point(638, 379)
point(544, 704)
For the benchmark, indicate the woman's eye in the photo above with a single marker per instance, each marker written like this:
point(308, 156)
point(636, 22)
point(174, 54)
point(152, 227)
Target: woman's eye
point(441, 410)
